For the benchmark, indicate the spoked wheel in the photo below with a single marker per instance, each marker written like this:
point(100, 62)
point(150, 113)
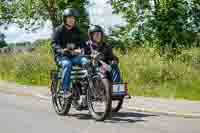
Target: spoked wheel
point(61, 105)
point(117, 104)
point(99, 99)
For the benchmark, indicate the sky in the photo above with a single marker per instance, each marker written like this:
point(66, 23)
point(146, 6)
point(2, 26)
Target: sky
point(100, 13)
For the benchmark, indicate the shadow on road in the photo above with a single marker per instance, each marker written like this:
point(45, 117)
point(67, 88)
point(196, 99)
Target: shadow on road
point(121, 117)
point(130, 117)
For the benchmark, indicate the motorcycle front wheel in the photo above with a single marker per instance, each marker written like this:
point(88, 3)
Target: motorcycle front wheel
point(100, 93)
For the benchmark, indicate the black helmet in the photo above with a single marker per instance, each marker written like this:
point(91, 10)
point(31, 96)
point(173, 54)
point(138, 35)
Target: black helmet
point(70, 12)
point(94, 28)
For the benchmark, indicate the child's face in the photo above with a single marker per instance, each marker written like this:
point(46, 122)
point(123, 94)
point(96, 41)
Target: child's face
point(97, 36)
point(70, 21)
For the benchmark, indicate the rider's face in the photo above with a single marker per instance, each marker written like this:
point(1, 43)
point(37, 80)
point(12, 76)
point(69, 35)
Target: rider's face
point(97, 36)
point(70, 21)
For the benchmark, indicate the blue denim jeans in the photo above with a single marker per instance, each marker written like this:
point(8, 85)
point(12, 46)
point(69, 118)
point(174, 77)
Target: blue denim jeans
point(67, 64)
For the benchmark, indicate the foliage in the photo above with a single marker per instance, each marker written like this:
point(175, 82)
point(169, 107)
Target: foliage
point(31, 14)
point(165, 24)
point(2, 40)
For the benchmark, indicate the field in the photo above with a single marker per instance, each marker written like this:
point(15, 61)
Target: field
point(147, 73)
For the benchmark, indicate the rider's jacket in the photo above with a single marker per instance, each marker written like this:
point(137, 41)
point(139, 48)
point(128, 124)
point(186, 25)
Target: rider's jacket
point(102, 48)
point(64, 38)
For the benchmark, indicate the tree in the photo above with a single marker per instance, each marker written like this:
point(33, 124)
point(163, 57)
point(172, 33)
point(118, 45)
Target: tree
point(33, 13)
point(2, 41)
point(164, 24)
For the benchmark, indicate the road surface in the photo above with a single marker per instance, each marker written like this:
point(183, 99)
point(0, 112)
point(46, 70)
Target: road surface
point(26, 114)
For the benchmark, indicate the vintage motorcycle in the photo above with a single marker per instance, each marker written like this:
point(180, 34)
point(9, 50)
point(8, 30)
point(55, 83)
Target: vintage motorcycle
point(91, 89)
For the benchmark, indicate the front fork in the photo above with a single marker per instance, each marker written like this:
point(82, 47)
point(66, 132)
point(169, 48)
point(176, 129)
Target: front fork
point(92, 74)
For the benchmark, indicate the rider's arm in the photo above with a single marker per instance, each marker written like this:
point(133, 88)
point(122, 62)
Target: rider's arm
point(56, 40)
point(111, 55)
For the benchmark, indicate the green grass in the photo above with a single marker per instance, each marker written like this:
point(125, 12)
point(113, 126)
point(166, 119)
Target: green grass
point(27, 68)
point(150, 75)
point(147, 73)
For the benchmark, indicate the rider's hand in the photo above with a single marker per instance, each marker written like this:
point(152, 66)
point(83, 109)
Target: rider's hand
point(66, 50)
point(105, 66)
point(77, 50)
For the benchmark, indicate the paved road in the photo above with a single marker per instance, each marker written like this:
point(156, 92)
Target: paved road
point(20, 114)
